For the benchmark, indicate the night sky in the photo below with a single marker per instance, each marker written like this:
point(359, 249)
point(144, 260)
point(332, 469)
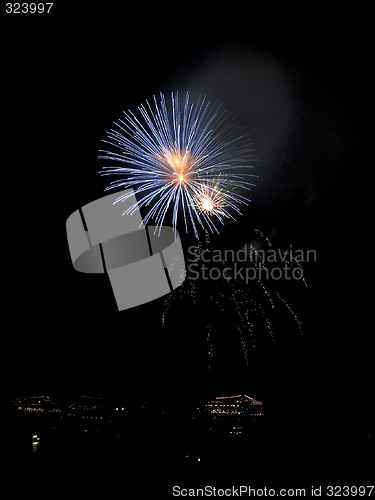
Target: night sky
point(303, 92)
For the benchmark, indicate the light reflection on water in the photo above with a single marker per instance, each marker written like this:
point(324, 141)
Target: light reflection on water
point(36, 442)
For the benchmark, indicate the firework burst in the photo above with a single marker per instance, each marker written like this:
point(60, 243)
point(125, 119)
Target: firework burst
point(184, 158)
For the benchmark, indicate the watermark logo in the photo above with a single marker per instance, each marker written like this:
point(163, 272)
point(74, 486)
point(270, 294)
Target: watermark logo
point(142, 264)
point(248, 263)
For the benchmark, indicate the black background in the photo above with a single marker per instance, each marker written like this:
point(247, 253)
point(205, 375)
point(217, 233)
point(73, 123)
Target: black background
point(67, 78)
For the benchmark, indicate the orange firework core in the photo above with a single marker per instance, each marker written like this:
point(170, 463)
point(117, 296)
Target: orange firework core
point(179, 161)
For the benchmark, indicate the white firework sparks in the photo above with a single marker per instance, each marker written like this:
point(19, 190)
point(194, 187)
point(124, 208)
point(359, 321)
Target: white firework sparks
point(184, 157)
point(252, 311)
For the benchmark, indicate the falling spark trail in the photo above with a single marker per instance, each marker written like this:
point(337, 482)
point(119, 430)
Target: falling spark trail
point(252, 309)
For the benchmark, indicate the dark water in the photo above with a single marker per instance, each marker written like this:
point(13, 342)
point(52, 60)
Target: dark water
point(153, 464)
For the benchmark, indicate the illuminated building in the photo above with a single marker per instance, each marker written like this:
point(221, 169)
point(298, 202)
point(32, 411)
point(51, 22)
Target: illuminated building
point(89, 414)
point(87, 407)
point(232, 416)
point(37, 404)
point(93, 408)
point(234, 407)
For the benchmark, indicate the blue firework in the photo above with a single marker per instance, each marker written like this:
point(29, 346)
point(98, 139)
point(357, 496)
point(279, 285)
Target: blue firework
point(188, 160)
